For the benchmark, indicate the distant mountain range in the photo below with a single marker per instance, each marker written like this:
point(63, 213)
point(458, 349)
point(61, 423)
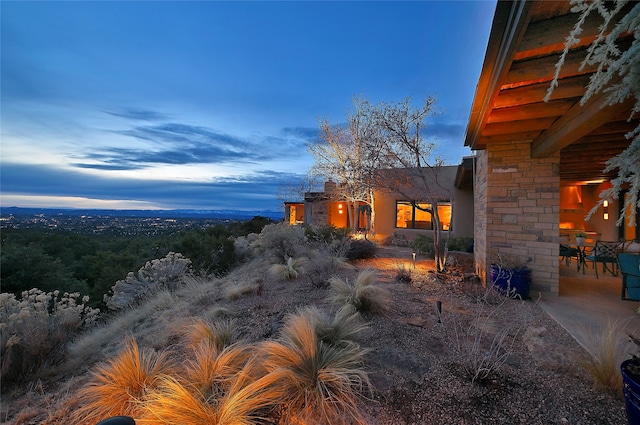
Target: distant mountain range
point(217, 214)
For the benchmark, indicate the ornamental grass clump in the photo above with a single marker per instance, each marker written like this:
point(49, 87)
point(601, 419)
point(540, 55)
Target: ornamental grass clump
point(606, 349)
point(36, 329)
point(219, 334)
point(121, 386)
point(323, 383)
point(291, 269)
point(246, 402)
point(363, 294)
point(339, 329)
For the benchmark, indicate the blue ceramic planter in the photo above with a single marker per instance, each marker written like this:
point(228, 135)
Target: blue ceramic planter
point(631, 390)
point(511, 282)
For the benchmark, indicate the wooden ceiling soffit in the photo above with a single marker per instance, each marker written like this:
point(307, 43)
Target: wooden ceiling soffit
point(553, 108)
point(510, 127)
point(548, 36)
point(587, 141)
point(622, 126)
point(509, 23)
point(509, 137)
point(578, 122)
point(542, 69)
point(535, 93)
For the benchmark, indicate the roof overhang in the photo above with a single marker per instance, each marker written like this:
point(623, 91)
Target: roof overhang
point(525, 43)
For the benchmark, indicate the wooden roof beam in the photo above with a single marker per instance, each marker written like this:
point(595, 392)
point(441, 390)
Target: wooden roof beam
point(578, 122)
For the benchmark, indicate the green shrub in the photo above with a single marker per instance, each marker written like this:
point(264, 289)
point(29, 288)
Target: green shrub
point(35, 330)
point(423, 245)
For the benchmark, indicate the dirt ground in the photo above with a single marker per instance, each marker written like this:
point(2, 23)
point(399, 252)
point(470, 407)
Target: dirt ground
point(420, 360)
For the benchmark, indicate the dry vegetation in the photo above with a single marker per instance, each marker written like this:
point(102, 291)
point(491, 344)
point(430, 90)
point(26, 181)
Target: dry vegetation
point(336, 344)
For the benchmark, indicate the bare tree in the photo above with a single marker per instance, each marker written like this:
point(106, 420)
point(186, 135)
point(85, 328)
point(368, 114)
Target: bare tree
point(618, 73)
point(344, 154)
point(411, 169)
point(294, 191)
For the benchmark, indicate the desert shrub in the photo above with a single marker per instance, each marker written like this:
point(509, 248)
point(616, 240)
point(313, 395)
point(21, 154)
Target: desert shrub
point(403, 273)
point(167, 273)
point(242, 246)
point(280, 241)
point(120, 386)
point(324, 382)
point(291, 269)
point(326, 234)
point(35, 330)
point(363, 294)
point(361, 249)
point(479, 344)
point(325, 261)
point(396, 239)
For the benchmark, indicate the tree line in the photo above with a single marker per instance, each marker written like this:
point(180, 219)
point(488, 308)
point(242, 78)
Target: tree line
point(91, 264)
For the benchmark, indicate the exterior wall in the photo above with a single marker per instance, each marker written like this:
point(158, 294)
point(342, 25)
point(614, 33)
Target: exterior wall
point(519, 212)
point(461, 201)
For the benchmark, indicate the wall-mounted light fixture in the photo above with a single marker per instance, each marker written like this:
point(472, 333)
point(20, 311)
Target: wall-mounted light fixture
point(605, 208)
point(339, 208)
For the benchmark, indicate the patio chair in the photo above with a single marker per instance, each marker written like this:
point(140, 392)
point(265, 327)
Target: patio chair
point(606, 253)
point(630, 268)
point(567, 253)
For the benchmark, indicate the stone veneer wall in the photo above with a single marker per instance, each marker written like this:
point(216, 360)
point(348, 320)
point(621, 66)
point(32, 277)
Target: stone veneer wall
point(517, 206)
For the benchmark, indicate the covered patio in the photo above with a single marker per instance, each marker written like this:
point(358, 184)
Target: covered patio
point(540, 164)
point(586, 304)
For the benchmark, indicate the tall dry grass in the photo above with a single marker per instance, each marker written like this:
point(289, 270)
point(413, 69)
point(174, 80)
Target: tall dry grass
point(245, 403)
point(120, 386)
point(363, 294)
point(341, 328)
point(607, 349)
point(291, 269)
point(219, 333)
point(324, 382)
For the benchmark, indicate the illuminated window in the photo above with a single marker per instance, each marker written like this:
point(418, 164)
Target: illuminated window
point(419, 216)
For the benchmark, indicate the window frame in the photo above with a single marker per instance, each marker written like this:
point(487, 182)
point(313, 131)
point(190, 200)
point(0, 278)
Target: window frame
point(412, 205)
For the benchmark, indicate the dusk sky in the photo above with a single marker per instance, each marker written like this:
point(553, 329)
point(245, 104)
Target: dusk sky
point(209, 105)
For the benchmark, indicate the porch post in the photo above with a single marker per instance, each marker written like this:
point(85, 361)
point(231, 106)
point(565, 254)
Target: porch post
point(517, 210)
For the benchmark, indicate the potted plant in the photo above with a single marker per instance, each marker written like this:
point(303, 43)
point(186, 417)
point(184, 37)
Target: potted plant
point(581, 237)
point(510, 275)
point(630, 369)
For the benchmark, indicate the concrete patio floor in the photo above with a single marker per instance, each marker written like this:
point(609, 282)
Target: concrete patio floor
point(586, 304)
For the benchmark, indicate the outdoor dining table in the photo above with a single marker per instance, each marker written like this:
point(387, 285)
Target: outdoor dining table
point(582, 254)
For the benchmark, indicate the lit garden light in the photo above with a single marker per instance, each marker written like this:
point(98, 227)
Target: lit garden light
point(414, 259)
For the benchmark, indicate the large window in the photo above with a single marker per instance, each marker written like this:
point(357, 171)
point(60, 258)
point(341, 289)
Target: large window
point(419, 216)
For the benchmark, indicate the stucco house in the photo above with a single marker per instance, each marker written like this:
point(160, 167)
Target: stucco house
point(540, 165)
point(395, 212)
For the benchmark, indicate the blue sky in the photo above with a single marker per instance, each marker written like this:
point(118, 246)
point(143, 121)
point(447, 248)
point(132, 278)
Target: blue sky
point(209, 105)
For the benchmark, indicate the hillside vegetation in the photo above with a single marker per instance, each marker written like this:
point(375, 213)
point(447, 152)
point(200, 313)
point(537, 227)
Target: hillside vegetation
point(296, 334)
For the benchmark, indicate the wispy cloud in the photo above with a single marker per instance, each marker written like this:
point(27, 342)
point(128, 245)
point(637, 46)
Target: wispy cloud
point(138, 114)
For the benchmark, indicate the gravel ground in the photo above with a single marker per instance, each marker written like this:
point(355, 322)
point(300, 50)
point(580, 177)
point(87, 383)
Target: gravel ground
point(419, 361)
